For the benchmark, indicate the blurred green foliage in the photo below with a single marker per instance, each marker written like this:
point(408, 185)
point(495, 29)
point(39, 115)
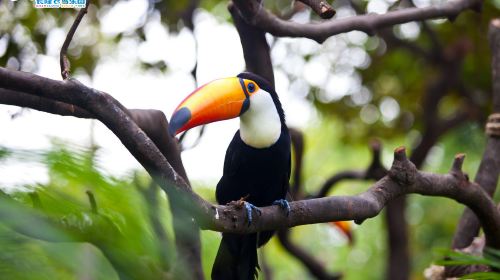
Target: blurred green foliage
point(59, 212)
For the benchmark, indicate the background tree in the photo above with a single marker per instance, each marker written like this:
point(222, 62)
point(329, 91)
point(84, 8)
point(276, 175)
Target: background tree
point(412, 83)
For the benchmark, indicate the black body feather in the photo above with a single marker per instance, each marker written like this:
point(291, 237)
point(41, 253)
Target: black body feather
point(260, 175)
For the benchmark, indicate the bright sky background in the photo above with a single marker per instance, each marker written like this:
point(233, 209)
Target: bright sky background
point(333, 67)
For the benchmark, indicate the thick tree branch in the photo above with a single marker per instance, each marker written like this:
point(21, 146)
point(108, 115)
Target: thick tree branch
point(398, 266)
point(255, 48)
point(63, 56)
point(258, 16)
point(398, 263)
point(16, 98)
point(155, 125)
point(403, 178)
point(489, 169)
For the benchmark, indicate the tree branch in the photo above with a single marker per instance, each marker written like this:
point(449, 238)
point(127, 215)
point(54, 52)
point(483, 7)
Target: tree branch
point(388, 36)
point(155, 125)
point(489, 169)
point(403, 178)
point(398, 266)
point(375, 171)
point(412, 47)
point(255, 48)
point(315, 268)
point(258, 60)
point(16, 98)
point(63, 58)
point(320, 7)
point(256, 15)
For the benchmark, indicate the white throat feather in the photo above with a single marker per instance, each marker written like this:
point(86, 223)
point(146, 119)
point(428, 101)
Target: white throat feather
point(260, 125)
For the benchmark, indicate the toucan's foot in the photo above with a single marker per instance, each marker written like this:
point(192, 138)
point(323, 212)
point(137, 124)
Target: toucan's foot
point(249, 206)
point(283, 205)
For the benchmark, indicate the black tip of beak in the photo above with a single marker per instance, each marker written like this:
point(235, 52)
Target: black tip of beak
point(179, 119)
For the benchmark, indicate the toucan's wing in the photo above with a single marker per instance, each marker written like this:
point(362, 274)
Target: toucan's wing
point(233, 160)
point(226, 190)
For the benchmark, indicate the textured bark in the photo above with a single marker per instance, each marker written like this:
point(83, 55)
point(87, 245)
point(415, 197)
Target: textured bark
point(403, 177)
point(187, 234)
point(256, 15)
point(63, 57)
point(489, 169)
point(487, 174)
point(255, 48)
point(320, 7)
point(72, 98)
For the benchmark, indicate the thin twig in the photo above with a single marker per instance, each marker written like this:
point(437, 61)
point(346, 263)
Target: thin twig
point(314, 267)
point(375, 171)
point(197, 141)
point(63, 58)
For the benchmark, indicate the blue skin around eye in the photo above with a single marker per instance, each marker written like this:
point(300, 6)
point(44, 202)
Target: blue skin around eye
point(251, 87)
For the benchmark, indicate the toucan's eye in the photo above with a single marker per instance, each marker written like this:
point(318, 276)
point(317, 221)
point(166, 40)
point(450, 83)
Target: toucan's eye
point(251, 87)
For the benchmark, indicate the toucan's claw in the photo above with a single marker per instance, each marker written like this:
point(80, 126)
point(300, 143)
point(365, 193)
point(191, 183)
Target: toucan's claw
point(250, 207)
point(283, 205)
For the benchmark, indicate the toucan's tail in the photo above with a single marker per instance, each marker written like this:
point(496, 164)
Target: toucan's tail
point(236, 258)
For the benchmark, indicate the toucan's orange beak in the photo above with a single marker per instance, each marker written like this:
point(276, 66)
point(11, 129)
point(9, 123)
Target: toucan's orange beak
point(345, 228)
point(218, 100)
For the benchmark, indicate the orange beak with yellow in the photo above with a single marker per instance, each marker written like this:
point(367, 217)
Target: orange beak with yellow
point(218, 100)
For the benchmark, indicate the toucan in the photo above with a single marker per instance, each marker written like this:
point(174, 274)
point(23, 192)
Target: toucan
point(257, 162)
